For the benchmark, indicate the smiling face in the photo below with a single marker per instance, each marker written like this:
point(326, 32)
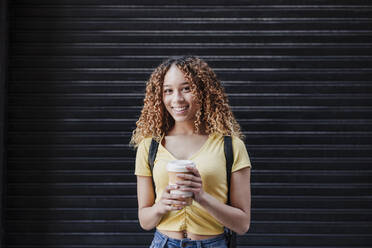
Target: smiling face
point(177, 96)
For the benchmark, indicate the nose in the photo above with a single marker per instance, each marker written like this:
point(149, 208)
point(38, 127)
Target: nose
point(178, 96)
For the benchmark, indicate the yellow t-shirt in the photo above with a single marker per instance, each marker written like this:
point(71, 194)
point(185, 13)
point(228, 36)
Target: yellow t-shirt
point(211, 164)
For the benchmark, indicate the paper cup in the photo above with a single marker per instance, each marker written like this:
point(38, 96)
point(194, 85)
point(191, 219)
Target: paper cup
point(179, 167)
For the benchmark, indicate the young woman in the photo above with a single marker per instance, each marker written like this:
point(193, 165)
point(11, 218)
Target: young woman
point(187, 112)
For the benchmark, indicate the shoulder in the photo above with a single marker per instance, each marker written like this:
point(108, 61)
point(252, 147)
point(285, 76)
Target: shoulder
point(235, 140)
point(144, 144)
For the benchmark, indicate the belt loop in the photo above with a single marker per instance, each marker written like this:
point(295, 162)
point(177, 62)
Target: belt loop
point(199, 244)
point(164, 241)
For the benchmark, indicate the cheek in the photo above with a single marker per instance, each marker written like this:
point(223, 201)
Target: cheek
point(195, 104)
point(166, 101)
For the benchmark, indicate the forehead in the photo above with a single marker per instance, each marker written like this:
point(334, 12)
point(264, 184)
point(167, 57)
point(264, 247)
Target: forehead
point(174, 77)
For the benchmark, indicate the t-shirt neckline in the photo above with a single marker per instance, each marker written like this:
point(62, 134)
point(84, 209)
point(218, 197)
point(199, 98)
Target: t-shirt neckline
point(192, 156)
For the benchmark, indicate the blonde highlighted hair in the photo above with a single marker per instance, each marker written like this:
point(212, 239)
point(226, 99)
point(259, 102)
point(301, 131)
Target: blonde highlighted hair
point(214, 115)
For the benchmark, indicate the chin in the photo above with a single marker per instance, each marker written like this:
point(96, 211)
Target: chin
point(182, 119)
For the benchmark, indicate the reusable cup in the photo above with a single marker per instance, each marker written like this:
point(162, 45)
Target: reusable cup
point(177, 167)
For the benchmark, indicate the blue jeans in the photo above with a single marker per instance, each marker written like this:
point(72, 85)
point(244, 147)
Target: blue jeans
point(161, 240)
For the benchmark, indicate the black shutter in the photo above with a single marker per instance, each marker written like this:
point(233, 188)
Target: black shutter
point(3, 107)
point(298, 74)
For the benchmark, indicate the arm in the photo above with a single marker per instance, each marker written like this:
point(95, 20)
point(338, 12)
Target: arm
point(237, 217)
point(150, 214)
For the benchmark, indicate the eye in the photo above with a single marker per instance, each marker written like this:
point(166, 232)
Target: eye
point(187, 89)
point(167, 91)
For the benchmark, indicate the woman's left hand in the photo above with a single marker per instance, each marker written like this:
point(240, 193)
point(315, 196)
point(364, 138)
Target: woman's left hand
point(192, 183)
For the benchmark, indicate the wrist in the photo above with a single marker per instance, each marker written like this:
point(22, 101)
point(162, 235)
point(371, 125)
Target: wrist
point(203, 198)
point(157, 209)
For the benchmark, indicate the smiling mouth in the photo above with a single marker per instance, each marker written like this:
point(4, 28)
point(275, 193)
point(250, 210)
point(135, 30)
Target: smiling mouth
point(180, 109)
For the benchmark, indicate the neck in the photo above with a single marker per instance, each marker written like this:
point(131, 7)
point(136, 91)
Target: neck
point(184, 128)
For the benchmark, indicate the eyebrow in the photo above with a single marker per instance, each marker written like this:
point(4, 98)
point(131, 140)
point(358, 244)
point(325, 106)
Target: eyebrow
point(181, 84)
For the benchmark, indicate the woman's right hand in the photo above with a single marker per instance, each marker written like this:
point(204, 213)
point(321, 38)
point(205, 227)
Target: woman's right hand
point(168, 201)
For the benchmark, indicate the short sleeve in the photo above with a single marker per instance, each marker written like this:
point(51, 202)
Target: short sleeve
point(142, 165)
point(241, 157)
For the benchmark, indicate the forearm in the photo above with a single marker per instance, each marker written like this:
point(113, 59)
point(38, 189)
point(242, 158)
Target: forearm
point(149, 217)
point(231, 217)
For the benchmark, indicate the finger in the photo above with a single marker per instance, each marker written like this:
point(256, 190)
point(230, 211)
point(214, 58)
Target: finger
point(188, 188)
point(190, 177)
point(193, 186)
point(175, 197)
point(174, 202)
point(186, 176)
point(172, 205)
point(195, 191)
point(172, 208)
point(185, 183)
point(171, 187)
point(196, 184)
point(193, 170)
point(167, 193)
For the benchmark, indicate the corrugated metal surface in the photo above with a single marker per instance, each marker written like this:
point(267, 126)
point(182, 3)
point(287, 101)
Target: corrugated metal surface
point(298, 76)
point(3, 108)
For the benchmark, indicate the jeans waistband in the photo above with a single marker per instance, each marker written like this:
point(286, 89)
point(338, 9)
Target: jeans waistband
point(188, 240)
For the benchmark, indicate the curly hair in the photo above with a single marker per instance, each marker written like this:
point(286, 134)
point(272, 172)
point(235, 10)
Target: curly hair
point(213, 116)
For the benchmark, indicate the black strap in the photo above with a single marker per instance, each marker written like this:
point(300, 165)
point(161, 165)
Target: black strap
point(229, 156)
point(229, 162)
point(151, 159)
point(152, 153)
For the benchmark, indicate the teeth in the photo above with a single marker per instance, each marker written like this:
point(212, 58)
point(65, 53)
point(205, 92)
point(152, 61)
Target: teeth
point(180, 109)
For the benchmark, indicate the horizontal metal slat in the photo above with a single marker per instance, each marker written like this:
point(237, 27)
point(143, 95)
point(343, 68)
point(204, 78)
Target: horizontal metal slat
point(17, 113)
point(253, 11)
point(255, 3)
point(323, 202)
point(119, 36)
point(257, 227)
point(259, 150)
point(258, 137)
point(268, 214)
point(131, 99)
point(76, 64)
point(191, 48)
point(87, 176)
point(84, 189)
point(130, 238)
point(25, 163)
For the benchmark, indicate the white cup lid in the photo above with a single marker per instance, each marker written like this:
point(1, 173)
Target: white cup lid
point(179, 165)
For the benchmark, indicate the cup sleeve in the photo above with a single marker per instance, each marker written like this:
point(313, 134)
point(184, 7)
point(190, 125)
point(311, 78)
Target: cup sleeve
point(142, 167)
point(241, 157)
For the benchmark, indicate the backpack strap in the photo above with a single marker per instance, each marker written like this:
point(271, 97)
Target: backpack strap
point(229, 162)
point(229, 156)
point(152, 154)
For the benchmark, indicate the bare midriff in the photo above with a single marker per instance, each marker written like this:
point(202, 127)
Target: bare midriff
point(185, 234)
